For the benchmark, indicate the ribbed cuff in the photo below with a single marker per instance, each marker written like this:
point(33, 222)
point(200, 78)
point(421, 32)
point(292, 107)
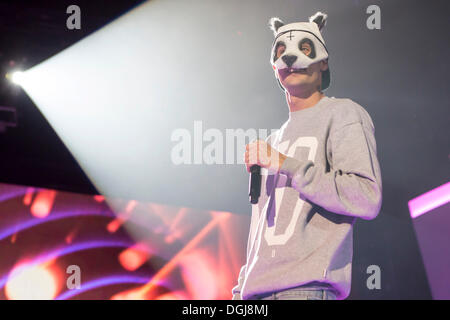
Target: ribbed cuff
point(236, 296)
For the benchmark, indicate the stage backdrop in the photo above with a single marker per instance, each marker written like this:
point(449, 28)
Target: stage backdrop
point(60, 245)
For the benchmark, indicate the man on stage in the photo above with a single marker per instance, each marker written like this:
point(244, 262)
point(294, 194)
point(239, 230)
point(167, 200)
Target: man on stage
point(320, 173)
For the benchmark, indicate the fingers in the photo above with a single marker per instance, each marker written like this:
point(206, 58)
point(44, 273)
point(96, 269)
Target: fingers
point(246, 161)
point(249, 155)
point(257, 152)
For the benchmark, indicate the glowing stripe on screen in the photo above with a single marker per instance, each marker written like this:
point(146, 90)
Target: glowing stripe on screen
point(429, 200)
point(6, 232)
point(101, 282)
point(11, 194)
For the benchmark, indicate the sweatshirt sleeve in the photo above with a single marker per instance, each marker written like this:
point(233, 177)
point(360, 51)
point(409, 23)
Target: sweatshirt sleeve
point(352, 186)
point(236, 291)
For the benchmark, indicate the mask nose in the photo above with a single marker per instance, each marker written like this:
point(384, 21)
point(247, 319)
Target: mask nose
point(289, 59)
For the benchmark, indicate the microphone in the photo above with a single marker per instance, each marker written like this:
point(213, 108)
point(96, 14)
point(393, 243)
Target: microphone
point(255, 184)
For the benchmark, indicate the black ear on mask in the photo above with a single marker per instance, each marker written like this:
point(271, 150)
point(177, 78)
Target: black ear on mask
point(319, 18)
point(274, 24)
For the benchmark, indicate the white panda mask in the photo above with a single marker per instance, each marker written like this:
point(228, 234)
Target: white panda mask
point(293, 36)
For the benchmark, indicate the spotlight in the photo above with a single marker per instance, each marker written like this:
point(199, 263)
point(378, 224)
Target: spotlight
point(16, 77)
point(31, 283)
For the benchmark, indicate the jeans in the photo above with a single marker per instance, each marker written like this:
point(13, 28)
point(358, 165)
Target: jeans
point(299, 293)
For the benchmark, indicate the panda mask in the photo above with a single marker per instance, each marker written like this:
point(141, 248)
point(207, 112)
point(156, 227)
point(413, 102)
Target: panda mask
point(296, 37)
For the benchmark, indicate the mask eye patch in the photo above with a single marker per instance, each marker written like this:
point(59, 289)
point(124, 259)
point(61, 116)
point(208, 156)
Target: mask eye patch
point(279, 49)
point(307, 47)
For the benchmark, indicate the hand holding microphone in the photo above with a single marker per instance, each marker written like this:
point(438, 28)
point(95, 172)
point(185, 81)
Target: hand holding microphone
point(259, 154)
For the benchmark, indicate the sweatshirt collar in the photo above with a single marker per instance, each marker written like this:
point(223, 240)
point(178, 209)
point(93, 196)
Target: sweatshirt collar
point(314, 108)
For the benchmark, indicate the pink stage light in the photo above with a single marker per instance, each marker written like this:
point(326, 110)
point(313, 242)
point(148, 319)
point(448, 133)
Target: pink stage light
point(199, 275)
point(429, 200)
point(28, 196)
point(129, 295)
point(169, 266)
point(99, 198)
point(43, 203)
point(122, 217)
point(69, 238)
point(134, 257)
point(174, 295)
point(31, 283)
point(176, 230)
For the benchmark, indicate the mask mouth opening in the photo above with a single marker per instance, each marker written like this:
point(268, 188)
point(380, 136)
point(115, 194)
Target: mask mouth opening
point(326, 80)
point(290, 70)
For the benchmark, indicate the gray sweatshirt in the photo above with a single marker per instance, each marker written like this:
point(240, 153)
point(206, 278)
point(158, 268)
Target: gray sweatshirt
point(301, 231)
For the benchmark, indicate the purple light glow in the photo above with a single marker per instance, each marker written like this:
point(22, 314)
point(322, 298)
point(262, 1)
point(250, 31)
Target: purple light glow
point(10, 194)
point(429, 200)
point(4, 233)
point(105, 281)
point(67, 250)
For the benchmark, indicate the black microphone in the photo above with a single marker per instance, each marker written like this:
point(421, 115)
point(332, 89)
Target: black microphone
point(255, 184)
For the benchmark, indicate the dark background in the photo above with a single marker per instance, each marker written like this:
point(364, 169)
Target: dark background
point(398, 74)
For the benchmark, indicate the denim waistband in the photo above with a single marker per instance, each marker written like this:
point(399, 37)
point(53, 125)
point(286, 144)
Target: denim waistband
point(315, 285)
